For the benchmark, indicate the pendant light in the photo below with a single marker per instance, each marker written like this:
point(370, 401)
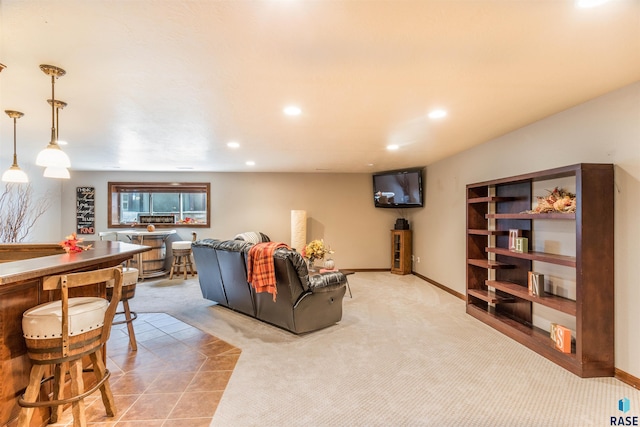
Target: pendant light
point(53, 156)
point(55, 172)
point(14, 173)
point(59, 105)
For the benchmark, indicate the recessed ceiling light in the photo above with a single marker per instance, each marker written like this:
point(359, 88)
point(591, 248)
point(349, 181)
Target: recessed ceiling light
point(437, 114)
point(392, 147)
point(585, 4)
point(233, 144)
point(250, 163)
point(292, 110)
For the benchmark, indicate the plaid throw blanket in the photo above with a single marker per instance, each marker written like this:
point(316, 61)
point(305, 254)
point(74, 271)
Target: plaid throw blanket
point(261, 272)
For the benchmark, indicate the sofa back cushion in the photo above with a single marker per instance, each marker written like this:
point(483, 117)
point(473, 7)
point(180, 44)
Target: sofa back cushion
point(232, 258)
point(209, 275)
point(253, 237)
point(296, 263)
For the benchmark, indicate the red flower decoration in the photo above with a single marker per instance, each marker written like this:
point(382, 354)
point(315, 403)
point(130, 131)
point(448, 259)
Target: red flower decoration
point(70, 245)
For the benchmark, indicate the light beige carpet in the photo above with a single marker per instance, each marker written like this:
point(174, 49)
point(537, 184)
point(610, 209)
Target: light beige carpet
point(404, 354)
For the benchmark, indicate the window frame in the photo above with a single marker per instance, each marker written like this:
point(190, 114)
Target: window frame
point(115, 188)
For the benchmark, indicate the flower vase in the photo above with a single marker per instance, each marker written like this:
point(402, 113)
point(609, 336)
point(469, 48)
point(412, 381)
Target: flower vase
point(310, 266)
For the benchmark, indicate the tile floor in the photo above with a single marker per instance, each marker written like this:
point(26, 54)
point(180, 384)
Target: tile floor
point(176, 378)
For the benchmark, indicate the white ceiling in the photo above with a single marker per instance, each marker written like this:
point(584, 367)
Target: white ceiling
point(164, 85)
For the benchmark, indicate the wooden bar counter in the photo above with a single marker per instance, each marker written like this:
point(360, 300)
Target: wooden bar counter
point(22, 268)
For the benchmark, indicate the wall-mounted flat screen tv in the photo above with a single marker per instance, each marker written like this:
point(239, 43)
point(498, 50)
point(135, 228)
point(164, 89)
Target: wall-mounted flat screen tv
point(398, 189)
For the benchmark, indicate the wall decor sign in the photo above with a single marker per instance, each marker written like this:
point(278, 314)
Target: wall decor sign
point(85, 210)
point(157, 219)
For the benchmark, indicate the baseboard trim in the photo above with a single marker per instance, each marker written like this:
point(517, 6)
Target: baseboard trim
point(440, 285)
point(627, 378)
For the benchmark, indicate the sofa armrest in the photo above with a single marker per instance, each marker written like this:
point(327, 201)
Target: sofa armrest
point(327, 282)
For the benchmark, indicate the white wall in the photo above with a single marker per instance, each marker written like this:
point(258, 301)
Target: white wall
point(339, 209)
point(47, 226)
point(604, 130)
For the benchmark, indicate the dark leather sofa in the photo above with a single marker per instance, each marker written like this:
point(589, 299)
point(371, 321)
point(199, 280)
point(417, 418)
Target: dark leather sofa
point(303, 304)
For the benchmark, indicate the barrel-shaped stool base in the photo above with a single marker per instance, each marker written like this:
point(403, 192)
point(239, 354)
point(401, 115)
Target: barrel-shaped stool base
point(129, 282)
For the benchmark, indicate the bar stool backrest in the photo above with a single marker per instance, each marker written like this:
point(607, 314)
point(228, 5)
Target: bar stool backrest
point(65, 282)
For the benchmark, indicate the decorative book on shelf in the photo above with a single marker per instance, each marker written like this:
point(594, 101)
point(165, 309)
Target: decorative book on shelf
point(514, 233)
point(562, 338)
point(535, 284)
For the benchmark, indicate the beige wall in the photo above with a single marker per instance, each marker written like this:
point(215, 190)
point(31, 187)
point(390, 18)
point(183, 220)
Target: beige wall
point(604, 130)
point(339, 209)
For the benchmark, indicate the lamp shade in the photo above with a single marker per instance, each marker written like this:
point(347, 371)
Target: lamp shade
point(298, 229)
point(15, 174)
point(54, 157)
point(51, 172)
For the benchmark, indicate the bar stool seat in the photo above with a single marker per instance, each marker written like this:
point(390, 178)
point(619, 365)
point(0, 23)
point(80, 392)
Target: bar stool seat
point(61, 333)
point(129, 281)
point(181, 251)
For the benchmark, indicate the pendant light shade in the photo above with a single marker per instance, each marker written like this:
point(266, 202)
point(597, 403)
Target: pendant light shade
point(61, 173)
point(14, 173)
point(52, 156)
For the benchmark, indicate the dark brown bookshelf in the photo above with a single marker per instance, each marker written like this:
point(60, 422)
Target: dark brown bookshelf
point(504, 303)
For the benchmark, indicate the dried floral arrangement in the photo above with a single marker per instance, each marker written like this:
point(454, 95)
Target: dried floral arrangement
point(316, 250)
point(558, 200)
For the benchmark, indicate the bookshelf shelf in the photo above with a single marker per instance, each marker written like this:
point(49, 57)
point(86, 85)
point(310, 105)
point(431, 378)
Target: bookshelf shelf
point(566, 216)
point(568, 261)
point(482, 232)
point(558, 303)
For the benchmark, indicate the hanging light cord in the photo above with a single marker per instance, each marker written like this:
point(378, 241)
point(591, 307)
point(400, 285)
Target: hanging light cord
point(54, 136)
point(15, 155)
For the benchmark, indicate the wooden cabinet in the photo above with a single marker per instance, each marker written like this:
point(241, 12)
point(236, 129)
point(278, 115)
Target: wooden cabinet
point(401, 251)
point(497, 291)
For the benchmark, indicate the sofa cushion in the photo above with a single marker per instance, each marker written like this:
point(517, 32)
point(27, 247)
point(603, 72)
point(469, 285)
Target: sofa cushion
point(298, 262)
point(253, 237)
point(327, 282)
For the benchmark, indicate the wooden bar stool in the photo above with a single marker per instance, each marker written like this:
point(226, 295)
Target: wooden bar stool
point(181, 251)
point(129, 282)
point(60, 333)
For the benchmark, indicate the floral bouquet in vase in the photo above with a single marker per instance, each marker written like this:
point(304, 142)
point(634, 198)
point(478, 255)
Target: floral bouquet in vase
point(315, 250)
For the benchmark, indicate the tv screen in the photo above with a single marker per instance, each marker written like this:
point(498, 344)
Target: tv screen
point(398, 189)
